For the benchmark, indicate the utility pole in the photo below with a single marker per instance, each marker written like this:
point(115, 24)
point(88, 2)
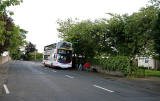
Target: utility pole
point(35, 55)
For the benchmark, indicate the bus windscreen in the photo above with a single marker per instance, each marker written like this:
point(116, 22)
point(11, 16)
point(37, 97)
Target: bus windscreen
point(64, 56)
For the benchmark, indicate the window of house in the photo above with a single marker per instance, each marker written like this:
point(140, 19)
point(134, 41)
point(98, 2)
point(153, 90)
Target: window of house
point(146, 60)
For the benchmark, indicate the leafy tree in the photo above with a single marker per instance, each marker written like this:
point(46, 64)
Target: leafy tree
point(127, 35)
point(30, 50)
point(115, 36)
point(17, 55)
point(39, 56)
point(4, 4)
point(138, 28)
point(156, 35)
point(155, 3)
point(130, 35)
point(11, 36)
point(85, 36)
point(32, 56)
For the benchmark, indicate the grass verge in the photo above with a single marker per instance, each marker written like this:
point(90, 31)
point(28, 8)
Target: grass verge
point(152, 73)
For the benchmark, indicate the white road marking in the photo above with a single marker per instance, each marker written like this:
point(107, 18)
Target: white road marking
point(6, 89)
point(69, 76)
point(103, 88)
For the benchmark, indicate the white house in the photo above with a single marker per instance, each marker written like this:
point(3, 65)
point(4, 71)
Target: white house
point(148, 62)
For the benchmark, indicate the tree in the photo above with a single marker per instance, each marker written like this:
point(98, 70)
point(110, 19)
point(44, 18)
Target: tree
point(115, 36)
point(85, 35)
point(17, 55)
point(156, 35)
point(138, 30)
point(130, 35)
point(11, 36)
point(30, 49)
point(126, 35)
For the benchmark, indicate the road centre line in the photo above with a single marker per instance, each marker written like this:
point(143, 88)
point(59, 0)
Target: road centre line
point(103, 88)
point(6, 89)
point(69, 76)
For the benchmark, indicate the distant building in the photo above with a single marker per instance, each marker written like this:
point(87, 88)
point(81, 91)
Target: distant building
point(148, 62)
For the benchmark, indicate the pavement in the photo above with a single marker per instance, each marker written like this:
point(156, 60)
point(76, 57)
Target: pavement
point(4, 69)
point(30, 81)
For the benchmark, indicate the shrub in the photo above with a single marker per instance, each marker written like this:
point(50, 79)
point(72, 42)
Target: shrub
point(93, 61)
point(158, 69)
point(117, 63)
point(138, 72)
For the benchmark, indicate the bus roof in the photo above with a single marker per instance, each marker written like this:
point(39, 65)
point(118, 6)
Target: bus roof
point(59, 45)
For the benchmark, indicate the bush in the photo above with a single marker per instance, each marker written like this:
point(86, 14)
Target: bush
point(138, 72)
point(117, 63)
point(93, 61)
point(31, 56)
point(120, 63)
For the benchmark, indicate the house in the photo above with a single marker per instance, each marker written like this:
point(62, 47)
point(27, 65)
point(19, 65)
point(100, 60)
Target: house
point(148, 62)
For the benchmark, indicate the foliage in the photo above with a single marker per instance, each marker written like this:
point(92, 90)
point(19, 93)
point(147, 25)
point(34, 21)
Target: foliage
point(121, 38)
point(32, 56)
point(138, 30)
point(120, 35)
point(117, 63)
point(138, 72)
point(17, 55)
point(39, 56)
point(85, 35)
point(7, 3)
point(11, 35)
point(156, 35)
point(158, 69)
point(130, 35)
point(30, 50)
point(155, 3)
point(123, 64)
point(93, 61)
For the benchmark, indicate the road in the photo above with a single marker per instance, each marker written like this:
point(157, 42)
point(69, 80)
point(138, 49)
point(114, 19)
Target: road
point(30, 81)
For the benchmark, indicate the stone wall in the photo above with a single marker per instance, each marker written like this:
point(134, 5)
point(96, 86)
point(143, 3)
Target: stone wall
point(4, 59)
point(3, 71)
point(113, 73)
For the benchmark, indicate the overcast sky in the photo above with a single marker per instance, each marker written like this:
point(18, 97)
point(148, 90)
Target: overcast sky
point(39, 17)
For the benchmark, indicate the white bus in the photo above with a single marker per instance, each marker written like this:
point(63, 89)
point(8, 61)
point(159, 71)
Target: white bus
point(58, 55)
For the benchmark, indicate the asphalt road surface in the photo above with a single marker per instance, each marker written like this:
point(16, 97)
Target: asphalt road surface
point(30, 81)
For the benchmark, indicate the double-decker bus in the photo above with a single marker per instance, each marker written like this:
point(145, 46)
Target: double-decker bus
point(58, 55)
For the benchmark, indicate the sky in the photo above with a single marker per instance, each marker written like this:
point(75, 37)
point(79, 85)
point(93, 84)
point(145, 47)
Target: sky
point(39, 17)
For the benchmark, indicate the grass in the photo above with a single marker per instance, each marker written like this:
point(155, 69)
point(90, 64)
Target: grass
point(153, 73)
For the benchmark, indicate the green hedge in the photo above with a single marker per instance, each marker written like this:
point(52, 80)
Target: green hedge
point(158, 69)
point(117, 63)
